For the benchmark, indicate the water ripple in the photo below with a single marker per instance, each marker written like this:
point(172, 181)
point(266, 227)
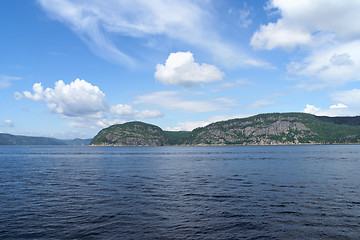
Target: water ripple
point(283, 192)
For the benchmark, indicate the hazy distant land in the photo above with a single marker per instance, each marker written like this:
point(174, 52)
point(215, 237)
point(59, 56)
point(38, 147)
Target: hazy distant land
point(9, 139)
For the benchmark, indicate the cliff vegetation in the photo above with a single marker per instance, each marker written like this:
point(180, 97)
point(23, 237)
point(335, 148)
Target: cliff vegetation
point(262, 129)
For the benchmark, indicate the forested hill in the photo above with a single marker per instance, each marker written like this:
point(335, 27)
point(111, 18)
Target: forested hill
point(9, 139)
point(262, 129)
point(131, 134)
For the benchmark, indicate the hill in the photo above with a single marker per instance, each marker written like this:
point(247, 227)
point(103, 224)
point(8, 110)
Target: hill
point(9, 139)
point(262, 129)
point(280, 128)
point(131, 134)
point(77, 142)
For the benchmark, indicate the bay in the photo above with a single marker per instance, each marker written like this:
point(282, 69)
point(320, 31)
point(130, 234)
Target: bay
point(232, 192)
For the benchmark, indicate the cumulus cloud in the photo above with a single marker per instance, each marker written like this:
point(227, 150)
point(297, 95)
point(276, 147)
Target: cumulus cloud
point(177, 101)
point(77, 99)
point(302, 22)
point(37, 95)
point(326, 29)
point(83, 103)
point(103, 123)
point(311, 109)
point(181, 69)
point(127, 112)
point(187, 126)
point(339, 105)
point(333, 111)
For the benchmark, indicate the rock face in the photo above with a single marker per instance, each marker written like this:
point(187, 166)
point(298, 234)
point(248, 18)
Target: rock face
point(280, 129)
point(273, 130)
point(130, 134)
point(263, 129)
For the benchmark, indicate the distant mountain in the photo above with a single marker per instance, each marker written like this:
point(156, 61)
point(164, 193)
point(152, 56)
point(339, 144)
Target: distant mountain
point(77, 141)
point(262, 129)
point(9, 139)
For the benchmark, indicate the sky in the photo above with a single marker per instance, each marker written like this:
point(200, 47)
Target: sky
point(69, 68)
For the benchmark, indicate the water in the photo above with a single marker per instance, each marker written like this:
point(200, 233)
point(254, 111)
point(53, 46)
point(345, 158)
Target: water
point(246, 192)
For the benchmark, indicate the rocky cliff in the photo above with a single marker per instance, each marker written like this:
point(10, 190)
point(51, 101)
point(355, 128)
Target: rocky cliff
point(263, 129)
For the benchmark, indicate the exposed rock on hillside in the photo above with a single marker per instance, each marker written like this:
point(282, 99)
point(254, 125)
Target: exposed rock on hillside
point(272, 130)
point(275, 128)
point(130, 134)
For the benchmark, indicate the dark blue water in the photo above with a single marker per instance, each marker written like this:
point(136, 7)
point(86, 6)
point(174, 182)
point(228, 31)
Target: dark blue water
point(257, 192)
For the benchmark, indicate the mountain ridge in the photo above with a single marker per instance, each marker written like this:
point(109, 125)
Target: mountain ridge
point(261, 129)
point(10, 139)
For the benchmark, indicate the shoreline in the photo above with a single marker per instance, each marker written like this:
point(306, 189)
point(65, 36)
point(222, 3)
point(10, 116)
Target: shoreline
point(222, 145)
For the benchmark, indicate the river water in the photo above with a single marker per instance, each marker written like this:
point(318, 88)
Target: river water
point(237, 192)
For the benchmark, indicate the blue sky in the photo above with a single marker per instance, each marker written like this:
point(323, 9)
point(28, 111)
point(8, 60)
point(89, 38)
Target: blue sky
point(70, 68)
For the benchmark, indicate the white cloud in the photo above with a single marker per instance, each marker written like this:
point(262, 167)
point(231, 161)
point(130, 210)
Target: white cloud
point(327, 29)
point(331, 66)
point(189, 126)
point(83, 103)
point(9, 123)
point(334, 110)
point(148, 114)
point(127, 112)
point(279, 35)
point(77, 99)
point(228, 117)
point(177, 101)
point(238, 82)
point(261, 103)
point(103, 123)
point(5, 81)
point(351, 97)
point(339, 105)
point(18, 96)
point(341, 59)
point(38, 92)
point(303, 22)
point(187, 21)
point(311, 109)
point(181, 69)
point(242, 15)
point(82, 124)
point(259, 63)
